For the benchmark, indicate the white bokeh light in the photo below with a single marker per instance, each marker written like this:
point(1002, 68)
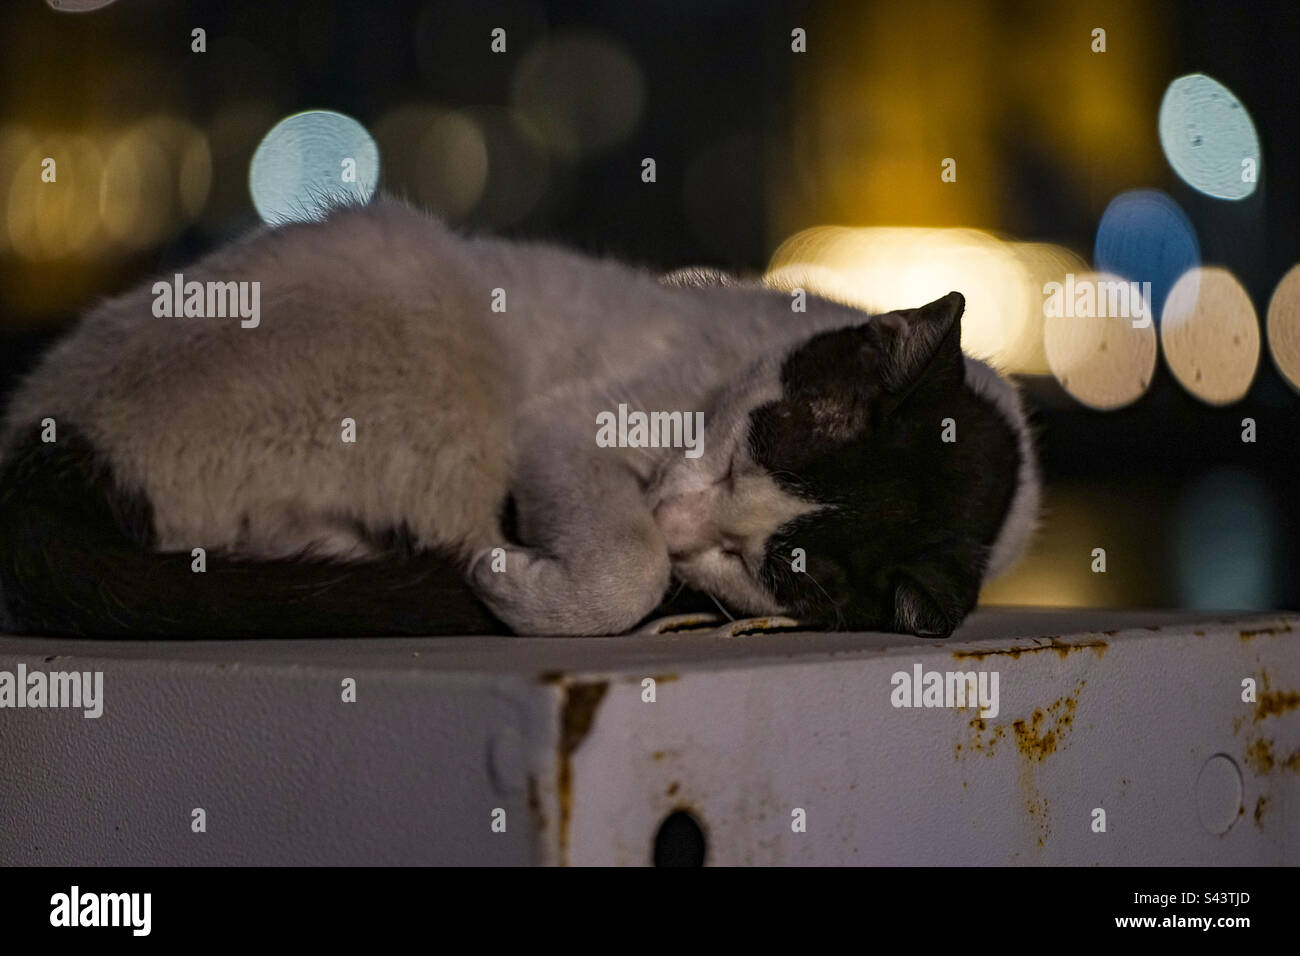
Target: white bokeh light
point(306, 164)
point(1208, 137)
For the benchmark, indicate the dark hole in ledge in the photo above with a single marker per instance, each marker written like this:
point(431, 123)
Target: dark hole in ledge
point(680, 841)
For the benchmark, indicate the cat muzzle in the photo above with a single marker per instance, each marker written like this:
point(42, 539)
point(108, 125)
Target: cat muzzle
point(686, 523)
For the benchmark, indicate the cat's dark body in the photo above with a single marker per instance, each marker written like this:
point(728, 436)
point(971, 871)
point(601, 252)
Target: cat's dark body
point(476, 496)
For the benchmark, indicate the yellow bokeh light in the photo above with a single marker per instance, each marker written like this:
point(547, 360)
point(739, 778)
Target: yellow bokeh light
point(47, 220)
point(157, 175)
point(878, 269)
point(1103, 360)
point(1284, 326)
point(16, 144)
point(889, 91)
point(447, 169)
point(1210, 335)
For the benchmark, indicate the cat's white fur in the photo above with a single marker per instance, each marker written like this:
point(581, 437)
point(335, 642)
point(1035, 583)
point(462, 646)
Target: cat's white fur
point(1022, 518)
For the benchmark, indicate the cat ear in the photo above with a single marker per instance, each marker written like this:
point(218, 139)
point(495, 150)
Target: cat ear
point(929, 609)
point(915, 339)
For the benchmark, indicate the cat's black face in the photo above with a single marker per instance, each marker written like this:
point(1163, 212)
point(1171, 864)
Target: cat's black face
point(841, 502)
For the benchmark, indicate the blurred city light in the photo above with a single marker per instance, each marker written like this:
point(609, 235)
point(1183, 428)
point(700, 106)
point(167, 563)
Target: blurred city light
point(1284, 326)
point(1208, 137)
point(309, 162)
point(1210, 335)
point(157, 175)
point(1057, 570)
point(578, 93)
point(437, 157)
point(1146, 237)
point(78, 6)
point(885, 268)
point(1102, 360)
point(1222, 546)
point(48, 220)
point(518, 172)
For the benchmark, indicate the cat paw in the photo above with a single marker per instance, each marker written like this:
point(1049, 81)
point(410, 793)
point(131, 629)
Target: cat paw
point(520, 587)
point(538, 594)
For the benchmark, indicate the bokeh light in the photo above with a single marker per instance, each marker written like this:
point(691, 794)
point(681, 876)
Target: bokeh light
point(883, 268)
point(437, 157)
point(156, 176)
point(1146, 237)
point(578, 93)
point(16, 143)
point(518, 173)
point(1056, 571)
point(78, 6)
point(1284, 326)
point(1103, 361)
point(1208, 137)
point(1222, 546)
point(1044, 262)
point(298, 171)
point(1210, 335)
point(48, 220)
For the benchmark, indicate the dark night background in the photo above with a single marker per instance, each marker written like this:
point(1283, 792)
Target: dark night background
point(752, 143)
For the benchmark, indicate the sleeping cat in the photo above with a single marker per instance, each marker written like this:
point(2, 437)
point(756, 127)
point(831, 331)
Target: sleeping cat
point(405, 442)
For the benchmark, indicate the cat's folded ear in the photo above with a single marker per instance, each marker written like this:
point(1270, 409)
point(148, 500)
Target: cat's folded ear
point(915, 340)
point(834, 379)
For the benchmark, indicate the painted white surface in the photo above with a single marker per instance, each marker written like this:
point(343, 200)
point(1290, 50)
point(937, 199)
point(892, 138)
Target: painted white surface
point(744, 729)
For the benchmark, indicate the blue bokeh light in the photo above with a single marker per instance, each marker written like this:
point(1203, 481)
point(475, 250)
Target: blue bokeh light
point(1224, 545)
point(1144, 236)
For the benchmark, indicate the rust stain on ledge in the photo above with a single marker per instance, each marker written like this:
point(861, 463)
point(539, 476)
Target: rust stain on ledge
point(1273, 703)
point(1262, 760)
point(1037, 736)
point(1282, 628)
point(535, 804)
point(1261, 804)
point(1035, 739)
point(1259, 755)
point(1054, 643)
point(578, 705)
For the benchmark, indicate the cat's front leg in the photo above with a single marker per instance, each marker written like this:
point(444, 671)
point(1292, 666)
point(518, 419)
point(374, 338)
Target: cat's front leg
point(593, 560)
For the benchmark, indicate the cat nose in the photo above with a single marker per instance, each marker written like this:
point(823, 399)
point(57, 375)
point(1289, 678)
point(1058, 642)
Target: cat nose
point(686, 523)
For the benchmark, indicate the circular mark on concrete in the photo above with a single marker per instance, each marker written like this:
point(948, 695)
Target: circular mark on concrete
point(680, 841)
point(1218, 794)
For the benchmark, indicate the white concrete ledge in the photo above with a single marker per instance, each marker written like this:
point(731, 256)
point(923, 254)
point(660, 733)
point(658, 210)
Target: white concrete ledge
point(1137, 714)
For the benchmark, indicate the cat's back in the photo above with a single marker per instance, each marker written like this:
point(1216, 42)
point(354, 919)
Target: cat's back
point(332, 383)
point(300, 307)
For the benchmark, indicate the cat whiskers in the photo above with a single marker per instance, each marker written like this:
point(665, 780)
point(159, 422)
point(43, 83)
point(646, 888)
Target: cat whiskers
point(725, 612)
point(839, 616)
